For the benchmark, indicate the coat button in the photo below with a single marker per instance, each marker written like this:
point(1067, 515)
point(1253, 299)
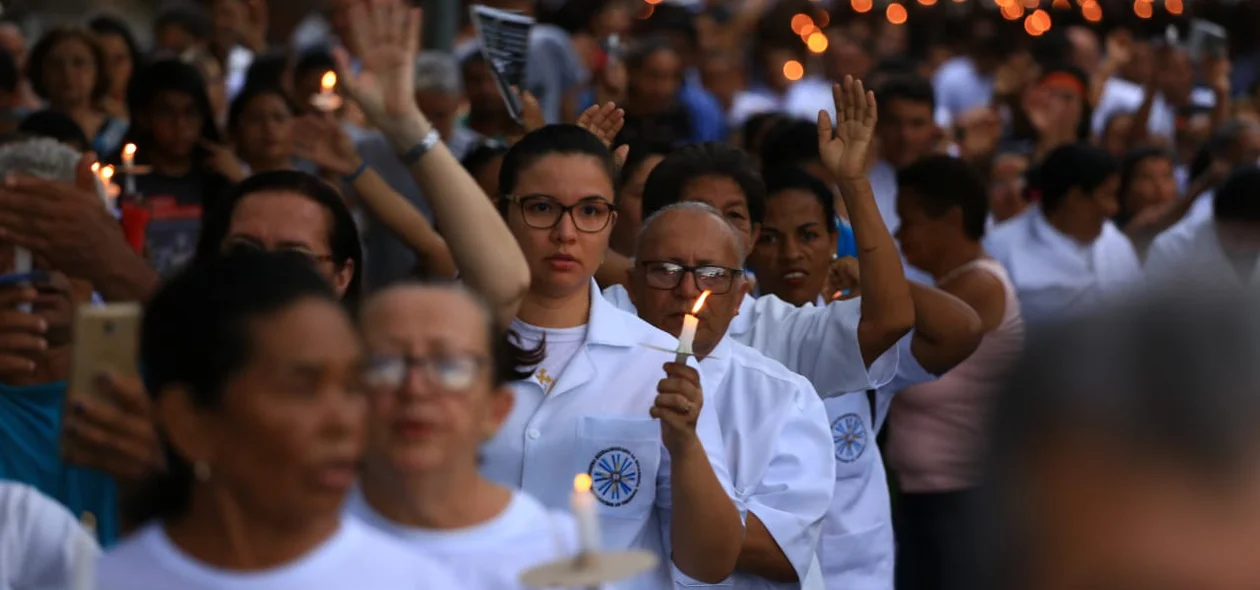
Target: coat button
point(533, 434)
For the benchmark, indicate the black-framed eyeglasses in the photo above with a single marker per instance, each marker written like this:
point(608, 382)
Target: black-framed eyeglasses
point(710, 277)
point(452, 373)
point(242, 246)
point(590, 215)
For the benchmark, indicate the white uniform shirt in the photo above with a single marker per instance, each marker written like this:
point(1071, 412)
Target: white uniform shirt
point(41, 543)
point(820, 343)
point(491, 555)
point(596, 420)
point(1056, 275)
point(356, 556)
point(1191, 254)
point(1120, 96)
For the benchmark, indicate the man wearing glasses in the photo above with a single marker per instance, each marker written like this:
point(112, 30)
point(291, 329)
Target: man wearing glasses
point(774, 425)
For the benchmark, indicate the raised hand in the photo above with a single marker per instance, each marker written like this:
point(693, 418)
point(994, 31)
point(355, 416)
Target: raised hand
point(23, 338)
point(321, 140)
point(844, 275)
point(844, 148)
point(387, 35)
point(604, 122)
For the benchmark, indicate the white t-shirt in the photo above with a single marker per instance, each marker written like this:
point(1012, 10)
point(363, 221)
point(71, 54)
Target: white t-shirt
point(562, 344)
point(491, 555)
point(356, 556)
point(40, 541)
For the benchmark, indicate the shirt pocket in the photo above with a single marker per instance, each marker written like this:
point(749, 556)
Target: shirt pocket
point(622, 456)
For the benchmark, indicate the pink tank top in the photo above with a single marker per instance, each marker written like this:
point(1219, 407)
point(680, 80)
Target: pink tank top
point(937, 429)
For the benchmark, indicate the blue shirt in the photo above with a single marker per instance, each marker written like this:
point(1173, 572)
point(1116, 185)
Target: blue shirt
point(846, 245)
point(30, 453)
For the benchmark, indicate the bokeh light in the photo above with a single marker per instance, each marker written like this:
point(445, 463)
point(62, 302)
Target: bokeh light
point(896, 14)
point(793, 70)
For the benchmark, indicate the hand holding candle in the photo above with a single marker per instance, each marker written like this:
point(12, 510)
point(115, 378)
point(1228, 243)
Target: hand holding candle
point(690, 324)
point(584, 511)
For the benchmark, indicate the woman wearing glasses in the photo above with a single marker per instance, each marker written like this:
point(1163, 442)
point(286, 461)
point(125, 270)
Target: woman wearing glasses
point(604, 400)
point(437, 377)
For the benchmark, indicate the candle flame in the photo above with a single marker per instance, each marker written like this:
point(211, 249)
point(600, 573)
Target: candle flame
point(582, 483)
point(129, 150)
point(329, 81)
point(107, 173)
point(695, 309)
point(96, 167)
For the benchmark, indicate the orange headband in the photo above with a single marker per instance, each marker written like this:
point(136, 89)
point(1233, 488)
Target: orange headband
point(1064, 80)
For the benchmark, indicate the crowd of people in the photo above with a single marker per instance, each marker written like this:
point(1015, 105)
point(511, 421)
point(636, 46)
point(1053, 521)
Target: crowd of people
point(811, 296)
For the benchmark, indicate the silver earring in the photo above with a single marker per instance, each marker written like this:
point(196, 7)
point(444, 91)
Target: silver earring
point(201, 470)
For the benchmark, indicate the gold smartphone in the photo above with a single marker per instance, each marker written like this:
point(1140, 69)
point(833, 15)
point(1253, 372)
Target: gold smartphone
point(106, 339)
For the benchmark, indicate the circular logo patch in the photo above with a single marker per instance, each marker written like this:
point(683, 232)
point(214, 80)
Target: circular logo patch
point(849, 434)
point(615, 476)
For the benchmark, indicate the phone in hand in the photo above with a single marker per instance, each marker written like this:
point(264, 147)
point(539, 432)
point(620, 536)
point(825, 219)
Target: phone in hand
point(106, 340)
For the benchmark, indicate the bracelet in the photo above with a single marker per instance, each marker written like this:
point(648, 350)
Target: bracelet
point(413, 155)
point(353, 176)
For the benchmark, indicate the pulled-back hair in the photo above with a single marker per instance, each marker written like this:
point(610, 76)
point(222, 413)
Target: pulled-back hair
point(560, 139)
point(665, 185)
point(197, 334)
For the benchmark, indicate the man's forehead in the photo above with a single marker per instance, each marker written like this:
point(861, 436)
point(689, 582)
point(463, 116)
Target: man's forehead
point(690, 236)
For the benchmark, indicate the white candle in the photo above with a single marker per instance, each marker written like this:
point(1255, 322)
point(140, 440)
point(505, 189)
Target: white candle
point(690, 323)
point(22, 265)
point(327, 99)
point(129, 168)
point(83, 553)
point(584, 511)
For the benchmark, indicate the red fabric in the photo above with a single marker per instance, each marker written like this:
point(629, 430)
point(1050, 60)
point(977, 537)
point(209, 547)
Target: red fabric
point(135, 221)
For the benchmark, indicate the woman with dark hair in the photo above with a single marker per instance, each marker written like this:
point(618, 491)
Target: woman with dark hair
point(420, 480)
point(67, 68)
point(558, 186)
point(1057, 107)
point(1148, 195)
point(799, 238)
point(255, 375)
point(174, 130)
point(291, 212)
point(654, 111)
point(122, 57)
point(260, 125)
point(1065, 255)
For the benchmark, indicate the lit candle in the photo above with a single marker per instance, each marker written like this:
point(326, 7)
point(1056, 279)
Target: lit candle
point(327, 99)
point(584, 511)
point(129, 168)
point(83, 554)
point(690, 324)
point(22, 265)
point(107, 180)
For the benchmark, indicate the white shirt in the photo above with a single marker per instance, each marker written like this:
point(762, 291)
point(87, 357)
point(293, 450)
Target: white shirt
point(1120, 96)
point(41, 544)
point(356, 556)
point(960, 87)
point(821, 344)
point(1191, 254)
point(778, 445)
point(596, 420)
point(1056, 275)
point(491, 555)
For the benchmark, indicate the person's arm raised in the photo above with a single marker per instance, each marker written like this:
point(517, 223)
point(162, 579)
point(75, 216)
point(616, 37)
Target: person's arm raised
point(489, 260)
point(323, 141)
point(887, 309)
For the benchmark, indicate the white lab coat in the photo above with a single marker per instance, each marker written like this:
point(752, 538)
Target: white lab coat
point(1055, 275)
point(595, 420)
point(1191, 255)
point(778, 445)
point(820, 343)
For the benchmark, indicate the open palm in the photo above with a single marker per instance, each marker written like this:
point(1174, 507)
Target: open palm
point(845, 146)
point(387, 35)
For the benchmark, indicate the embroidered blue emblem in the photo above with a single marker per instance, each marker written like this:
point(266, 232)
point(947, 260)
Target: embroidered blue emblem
point(849, 434)
point(615, 476)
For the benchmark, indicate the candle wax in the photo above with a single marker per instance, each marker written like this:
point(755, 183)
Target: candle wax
point(587, 520)
point(688, 335)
